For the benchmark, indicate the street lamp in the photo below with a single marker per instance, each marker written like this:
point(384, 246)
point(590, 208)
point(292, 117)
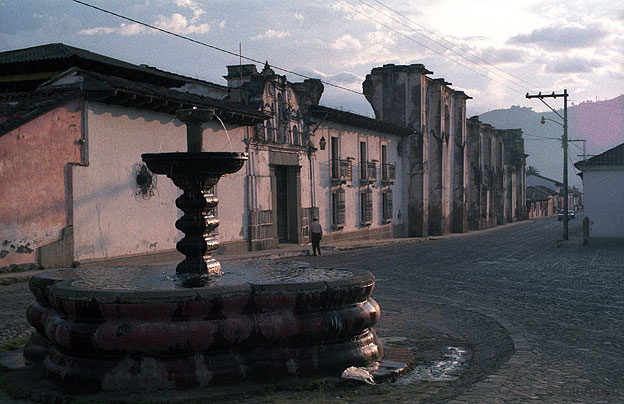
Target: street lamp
point(543, 121)
point(322, 143)
point(541, 97)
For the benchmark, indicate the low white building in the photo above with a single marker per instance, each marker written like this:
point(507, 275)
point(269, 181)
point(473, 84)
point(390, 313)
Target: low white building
point(603, 188)
point(71, 156)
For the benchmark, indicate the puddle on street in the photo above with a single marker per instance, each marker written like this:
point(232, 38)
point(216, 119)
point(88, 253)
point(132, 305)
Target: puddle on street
point(447, 369)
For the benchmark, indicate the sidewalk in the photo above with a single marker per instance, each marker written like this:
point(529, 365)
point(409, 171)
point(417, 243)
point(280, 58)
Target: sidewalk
point(283, 251)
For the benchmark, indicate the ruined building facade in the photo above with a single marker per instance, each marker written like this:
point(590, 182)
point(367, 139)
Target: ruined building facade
point(461, 174)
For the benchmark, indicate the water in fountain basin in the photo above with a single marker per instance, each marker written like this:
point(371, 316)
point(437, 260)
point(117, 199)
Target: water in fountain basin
point(163, 277)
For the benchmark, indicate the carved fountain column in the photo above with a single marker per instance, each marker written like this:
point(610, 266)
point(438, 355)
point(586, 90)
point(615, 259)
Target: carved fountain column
point(196, 176)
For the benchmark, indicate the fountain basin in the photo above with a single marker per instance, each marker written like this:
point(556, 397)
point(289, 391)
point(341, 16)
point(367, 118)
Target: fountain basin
point(99, 330)
point(196, 164)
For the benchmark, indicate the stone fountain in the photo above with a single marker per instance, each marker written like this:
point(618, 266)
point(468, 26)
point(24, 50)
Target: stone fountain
point(157, 327)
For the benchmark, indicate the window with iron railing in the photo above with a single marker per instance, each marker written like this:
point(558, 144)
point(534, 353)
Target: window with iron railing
point(371, 171)
point(386, 205)
point(366, 206)
point(338, 208)
point(341, 170)
point(368, 172)
point(388, 172)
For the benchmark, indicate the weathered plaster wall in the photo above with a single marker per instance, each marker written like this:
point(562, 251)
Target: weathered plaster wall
point(34, 179)
point(460, 166)
point(473, 184)
point(398, 94)
point(110, 219)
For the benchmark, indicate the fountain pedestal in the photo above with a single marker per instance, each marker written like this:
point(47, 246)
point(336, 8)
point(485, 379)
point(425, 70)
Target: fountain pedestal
point(139, 328)
point(196, 173)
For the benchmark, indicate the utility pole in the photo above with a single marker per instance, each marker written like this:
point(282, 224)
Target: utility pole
point(584, 155)
point(565, 149)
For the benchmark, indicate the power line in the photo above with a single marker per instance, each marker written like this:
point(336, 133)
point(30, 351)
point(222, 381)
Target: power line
point(541, 137)
point(453, 45)
point(210, 46)
point(425, 46)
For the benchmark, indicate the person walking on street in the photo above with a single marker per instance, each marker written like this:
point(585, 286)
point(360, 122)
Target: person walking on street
point(316, 234)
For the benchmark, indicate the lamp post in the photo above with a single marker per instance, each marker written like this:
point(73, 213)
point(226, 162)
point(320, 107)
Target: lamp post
point(565, 148)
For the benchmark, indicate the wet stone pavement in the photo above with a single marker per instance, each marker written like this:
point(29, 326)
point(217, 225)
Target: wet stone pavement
point(562, 305)
point(504, 316)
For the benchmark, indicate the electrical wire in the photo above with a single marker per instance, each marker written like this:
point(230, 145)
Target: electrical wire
point(453, 45)
point(209, 46)
point(541, 137)
point(425, 46)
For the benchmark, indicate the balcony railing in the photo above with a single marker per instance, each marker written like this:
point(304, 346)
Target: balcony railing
point(368, 172)
point(341, 170)
point(388, 172)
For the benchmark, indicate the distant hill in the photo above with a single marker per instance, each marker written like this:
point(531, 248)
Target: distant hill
point(600, 123)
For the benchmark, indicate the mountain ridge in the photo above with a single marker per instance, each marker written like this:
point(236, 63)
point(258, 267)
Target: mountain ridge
point(599, 123)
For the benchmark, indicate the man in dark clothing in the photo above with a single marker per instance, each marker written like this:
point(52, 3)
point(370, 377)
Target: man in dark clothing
point(316, 234)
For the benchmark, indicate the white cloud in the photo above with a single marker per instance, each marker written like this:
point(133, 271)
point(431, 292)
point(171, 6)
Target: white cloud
point(346, 42)
point(572, 65)
point(272, 34)
point(381, 38)
point(560, 38)
point(131, 29)
point(176, 23)
point(122, 29)
point(573, 82)
point(193, 6)
point(97, 31)
point(180, 25)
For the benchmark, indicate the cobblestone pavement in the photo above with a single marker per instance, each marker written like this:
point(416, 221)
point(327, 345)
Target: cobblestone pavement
point(14, 300)
point(563, 306)
point(540, 321)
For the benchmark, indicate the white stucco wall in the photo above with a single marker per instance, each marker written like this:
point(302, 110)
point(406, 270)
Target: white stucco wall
point(350, 138)
point(604, 199)
point(109, 220)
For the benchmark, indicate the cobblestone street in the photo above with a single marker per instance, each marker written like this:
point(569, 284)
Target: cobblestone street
point(539, 321)
point(562, 306)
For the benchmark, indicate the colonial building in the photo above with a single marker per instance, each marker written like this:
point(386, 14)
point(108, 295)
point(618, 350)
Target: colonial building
point(496, 175)
point(76, 188)
point(460, 174)
point(73, 125)
point(316, 162)
point(603, 192)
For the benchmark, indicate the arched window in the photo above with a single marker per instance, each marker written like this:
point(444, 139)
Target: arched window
point(295, 135)
point(270, 134)
point(281, 110)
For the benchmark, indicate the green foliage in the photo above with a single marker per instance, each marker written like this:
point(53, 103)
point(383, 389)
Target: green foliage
point(13, 344)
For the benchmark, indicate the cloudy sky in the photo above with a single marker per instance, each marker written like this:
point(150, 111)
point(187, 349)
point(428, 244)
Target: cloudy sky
point(496, 51)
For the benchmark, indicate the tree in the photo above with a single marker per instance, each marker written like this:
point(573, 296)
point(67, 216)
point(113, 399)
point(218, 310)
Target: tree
point(532, 171)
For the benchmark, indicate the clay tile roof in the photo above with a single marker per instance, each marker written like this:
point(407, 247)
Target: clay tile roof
point(359, 121)
point(60, 57)
point(612, 157)
point(538, 193)
point(18, 108)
